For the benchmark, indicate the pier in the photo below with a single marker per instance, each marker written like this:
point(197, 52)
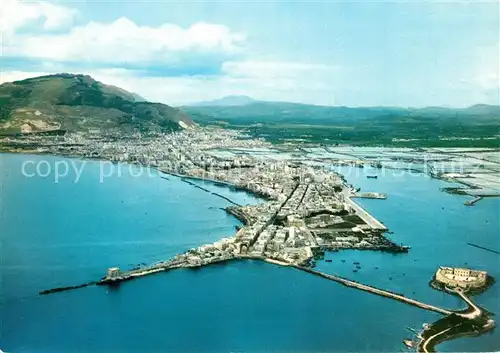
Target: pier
point(362, 213)
point(370, 195)
point(473, 201)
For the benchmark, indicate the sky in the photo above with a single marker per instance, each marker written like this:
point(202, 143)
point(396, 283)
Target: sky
point(341, 53)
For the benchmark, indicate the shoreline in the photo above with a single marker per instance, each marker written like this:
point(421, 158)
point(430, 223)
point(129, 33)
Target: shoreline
point(266, 197)
point(158, 170)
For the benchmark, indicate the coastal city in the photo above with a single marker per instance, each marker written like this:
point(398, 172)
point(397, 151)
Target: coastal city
point(306, 209)
point(212, 152)
point(249, 176)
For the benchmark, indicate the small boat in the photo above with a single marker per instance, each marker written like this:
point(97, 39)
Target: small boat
point(328, 260)
point(355, 263)
point(372, 176)
point(342, 260)
point(354, 270)
point(409, 343)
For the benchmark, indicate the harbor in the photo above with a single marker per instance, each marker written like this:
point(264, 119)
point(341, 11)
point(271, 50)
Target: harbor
point(115, 276)
point(471, 320)
point(222, 274)
point(304, 212)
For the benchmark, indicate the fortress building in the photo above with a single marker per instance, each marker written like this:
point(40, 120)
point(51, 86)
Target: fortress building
point(461, 277)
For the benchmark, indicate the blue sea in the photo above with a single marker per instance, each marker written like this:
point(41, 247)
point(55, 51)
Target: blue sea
point(58, 232)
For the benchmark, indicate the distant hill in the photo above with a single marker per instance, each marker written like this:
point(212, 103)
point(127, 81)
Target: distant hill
point(276, 112)
point(281, 121)
point(79, 103)
point(228, 101)
point(483, 109)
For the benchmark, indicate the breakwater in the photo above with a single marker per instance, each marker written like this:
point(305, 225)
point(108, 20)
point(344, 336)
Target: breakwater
point(484, 248)
point(166, 266)
point(232, 187)
point(63, 289)
point(381, 292)
point(210, 192)
point(236, 212)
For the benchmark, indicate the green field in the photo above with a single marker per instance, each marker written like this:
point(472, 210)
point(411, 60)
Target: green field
point(477, 126)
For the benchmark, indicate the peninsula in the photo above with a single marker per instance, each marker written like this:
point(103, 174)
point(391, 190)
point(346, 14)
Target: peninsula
point(307, 209)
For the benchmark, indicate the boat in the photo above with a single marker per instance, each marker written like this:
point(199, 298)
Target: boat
point(372, 176)
point(328, 260)
point(409, 343)
point(354, 270)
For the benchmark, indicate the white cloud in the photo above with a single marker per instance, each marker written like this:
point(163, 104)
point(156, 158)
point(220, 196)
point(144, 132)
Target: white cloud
point(15, 14)
point(124, 42)
point(480, 80)
point(487, 74)
point(266, 80)
point(275, 69)
point(9, 76)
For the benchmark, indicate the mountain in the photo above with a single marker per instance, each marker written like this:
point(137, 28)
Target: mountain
point(138, 98)
point(282, 121)
point(72, 102)
point(228, 101)
point(279, 112)
point(483, 109)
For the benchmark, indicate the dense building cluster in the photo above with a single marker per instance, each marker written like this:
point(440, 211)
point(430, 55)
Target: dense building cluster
point(307, 207)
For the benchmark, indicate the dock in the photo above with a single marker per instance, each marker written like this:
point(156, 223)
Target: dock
point(362, 213)
point(473, 201)
point(370, 195)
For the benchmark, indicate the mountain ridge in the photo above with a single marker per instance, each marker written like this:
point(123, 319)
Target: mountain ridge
point(243, 100)
point(477, 125)
point(226, 101)
point(76, 102)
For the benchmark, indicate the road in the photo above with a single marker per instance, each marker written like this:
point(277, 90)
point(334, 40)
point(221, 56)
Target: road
point(365, 216)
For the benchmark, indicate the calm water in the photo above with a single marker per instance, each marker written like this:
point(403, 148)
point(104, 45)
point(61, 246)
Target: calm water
point(57, 234)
